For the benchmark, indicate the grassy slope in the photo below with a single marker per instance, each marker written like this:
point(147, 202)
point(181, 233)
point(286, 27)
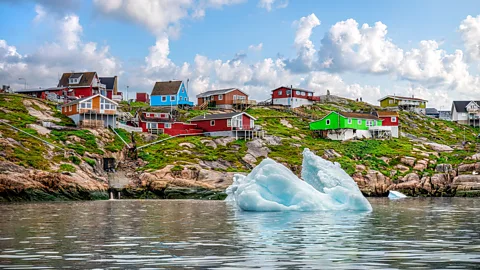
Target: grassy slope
point(33, 153)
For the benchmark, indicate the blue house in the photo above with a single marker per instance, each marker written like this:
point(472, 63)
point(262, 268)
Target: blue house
point(171, 93)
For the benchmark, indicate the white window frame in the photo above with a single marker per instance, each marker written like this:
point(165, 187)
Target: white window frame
point(229, 122)
point(220, 97)
point(289, 92)
point(310, 94)
point(164, 99)
point(151, 125)
point(390, 101)
point(70, 108)
point(394, 119)
point(328, 122)
point(167, 125)
point(298, 93)
point(304, 93)
point(212, 123)
point(280, 92)
point(173, 98)
point(359, 121)
point(350, 121)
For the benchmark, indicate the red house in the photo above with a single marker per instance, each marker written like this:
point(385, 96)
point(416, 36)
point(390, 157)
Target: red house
point(223, 98)
point(82, 84)
point(143, 97)
point(163, 123)
point(390, 119)
point(52, 93)
point(226, 124)
point(293, 97)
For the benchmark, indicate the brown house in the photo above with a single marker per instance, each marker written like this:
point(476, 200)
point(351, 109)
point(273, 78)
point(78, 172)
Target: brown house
point(93, 111)
point(223, 98)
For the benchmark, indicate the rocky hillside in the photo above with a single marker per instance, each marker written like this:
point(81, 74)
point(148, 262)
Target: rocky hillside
point(429, 159)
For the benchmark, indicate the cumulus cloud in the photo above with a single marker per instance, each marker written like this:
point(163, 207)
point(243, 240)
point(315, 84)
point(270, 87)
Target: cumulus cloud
point(470, 30)
point(40, 10)
point(306, 52)
point(256, 48)
point(270, 4)
point(42, 67)
point(347, 46)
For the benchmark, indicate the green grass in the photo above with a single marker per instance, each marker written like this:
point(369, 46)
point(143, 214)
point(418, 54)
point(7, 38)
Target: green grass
point(75, 160)
point(88, 141)
point(67, 168)
point(90, 161)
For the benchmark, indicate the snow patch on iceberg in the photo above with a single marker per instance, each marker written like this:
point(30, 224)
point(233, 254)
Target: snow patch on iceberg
point(273, 187)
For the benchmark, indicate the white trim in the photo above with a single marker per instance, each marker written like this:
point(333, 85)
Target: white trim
point(162, 98)
point(167, 125)
point(403, 98)
point(226, 92)
point(327, 122)
point(350, 121)
point(89, 98)
point(220, 96)
point(359, 121)
point(173, 97)
point(393, 119)
point(212, 122)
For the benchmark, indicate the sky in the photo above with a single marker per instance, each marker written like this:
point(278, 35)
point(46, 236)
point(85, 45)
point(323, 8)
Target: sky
point(362, 48)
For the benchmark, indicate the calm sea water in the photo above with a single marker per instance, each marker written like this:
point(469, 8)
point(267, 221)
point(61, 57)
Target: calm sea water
point(411, 233)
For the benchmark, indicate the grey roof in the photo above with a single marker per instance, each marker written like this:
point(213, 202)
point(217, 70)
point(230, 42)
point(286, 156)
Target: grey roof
point(166, 88)
point(295, 89)
point(461, 106)
point(108, 81)
point(216, 92)
point(429, 111)
point(38, 89)
point(215, 116)
point(75, 75)
point(76, 101)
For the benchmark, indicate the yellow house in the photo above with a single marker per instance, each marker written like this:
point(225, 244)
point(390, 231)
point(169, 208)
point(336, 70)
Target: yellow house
point(404, 103)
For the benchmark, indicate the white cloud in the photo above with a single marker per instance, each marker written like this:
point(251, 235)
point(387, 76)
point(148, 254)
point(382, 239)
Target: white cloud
point(256, 48)
point(306, 52)
point(470, 29)
point(364, 49)
point(270, 4)
point(42, 67)
point(40, 10)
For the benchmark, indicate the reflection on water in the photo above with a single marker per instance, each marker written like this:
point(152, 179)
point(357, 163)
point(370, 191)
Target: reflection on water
point(411, 233)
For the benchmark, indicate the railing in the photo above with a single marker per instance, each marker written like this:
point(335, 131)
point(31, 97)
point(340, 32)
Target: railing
point(95, 111)
point(244, 101)
point(412, 103)
point(242, 127)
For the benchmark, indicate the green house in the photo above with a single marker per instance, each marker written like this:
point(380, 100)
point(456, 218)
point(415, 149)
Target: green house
point(345, 125)
point(404, 103)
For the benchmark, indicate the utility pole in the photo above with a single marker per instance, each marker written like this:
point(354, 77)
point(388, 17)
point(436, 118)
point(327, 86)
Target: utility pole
point(126, 94)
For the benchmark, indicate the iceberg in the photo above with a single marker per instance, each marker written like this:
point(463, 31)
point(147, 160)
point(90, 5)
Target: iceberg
point(395, 195)
point(273, 187)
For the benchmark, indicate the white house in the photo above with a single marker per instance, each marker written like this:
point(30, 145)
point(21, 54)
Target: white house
point(466, 112)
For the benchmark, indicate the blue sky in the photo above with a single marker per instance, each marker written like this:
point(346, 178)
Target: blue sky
point(215, 45)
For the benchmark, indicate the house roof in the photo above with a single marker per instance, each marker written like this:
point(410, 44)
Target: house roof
point(359, 115)
point(108, 81)
point(299, 89)
point(219, 116)
point(86, 79)
point(461, 106)
point(386, 113)
point(87, 98)
point(166, 88)
point(218, 92)
point(431, 111)
point(404, 98)
point(38, 89)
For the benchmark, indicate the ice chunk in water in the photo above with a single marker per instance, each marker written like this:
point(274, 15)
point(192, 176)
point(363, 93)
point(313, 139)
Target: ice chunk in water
point(273, 187)
point(395, 195)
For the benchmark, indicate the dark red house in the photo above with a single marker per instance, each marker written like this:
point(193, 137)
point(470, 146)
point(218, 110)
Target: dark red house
point(163, 123)
point(390, 120)
point(225, 124)
point(82, 84)
point(293, 97)
point(143, 97)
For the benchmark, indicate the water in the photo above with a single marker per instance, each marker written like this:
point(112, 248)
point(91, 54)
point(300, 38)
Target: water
point(410, 233)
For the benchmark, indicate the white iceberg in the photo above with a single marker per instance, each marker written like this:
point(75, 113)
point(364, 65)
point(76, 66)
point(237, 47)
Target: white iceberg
point(395, 195)
point(273, 187)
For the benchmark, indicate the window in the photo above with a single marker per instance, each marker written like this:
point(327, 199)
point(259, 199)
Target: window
point(289, 92)
point(86, 104)
point(304, 93)
point(279, 92)
point(168, 125)
point(359, 121)
point(349, 121)
point(328, 122)
point(106, 105)
point(220, 97)
point(181, 98)
point(370, 123)
point(394, 119)
point(212, 123)
point(164, 98)
point(464, 114)
point(390, 101)
point(298, 93)
point(310, 94)
point(229, 122)
point(172, 98)
point(152, 125)
point(70, 108)
point(163, 115)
